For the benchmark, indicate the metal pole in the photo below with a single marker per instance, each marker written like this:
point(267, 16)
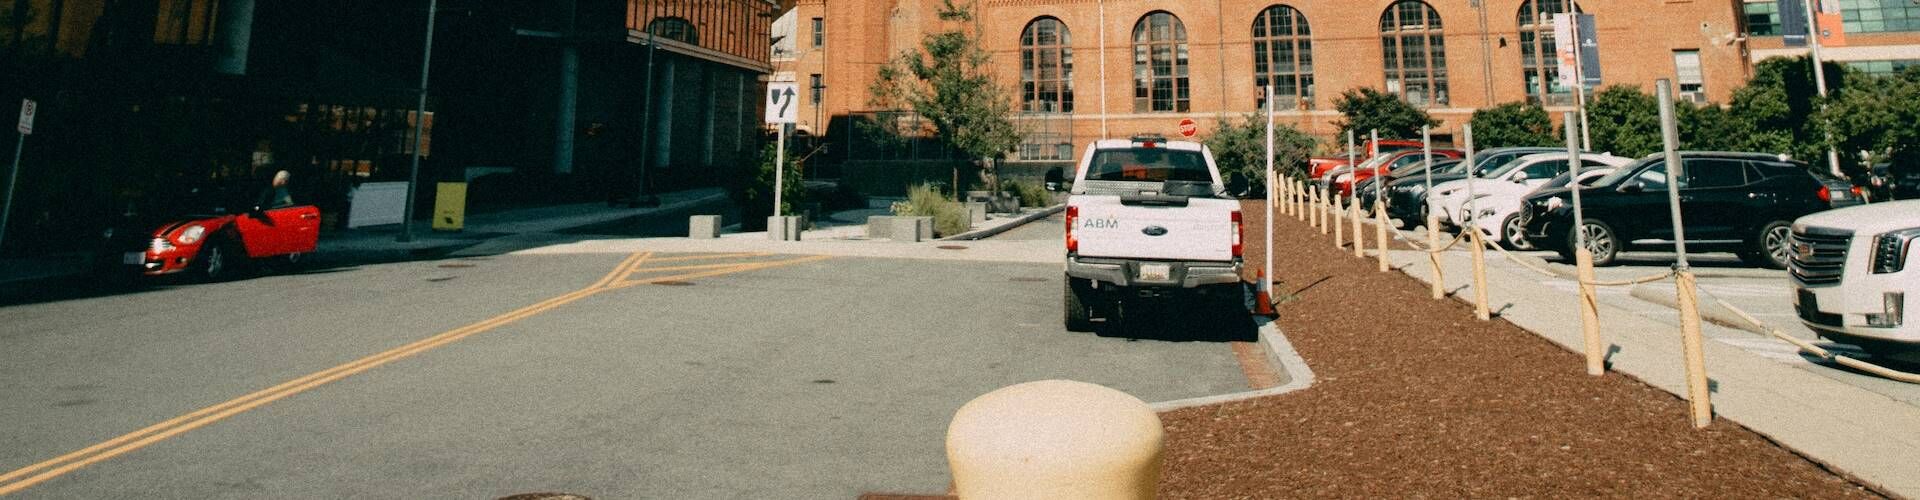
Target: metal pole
point(1439, 285)
point(1373, 148)
point(1573, 165)
point(780, 168)
point(1583, 262)
point(419, 125)
point(1486, 50)
point(1579, 74)
point(1481, 309)
point(6, 211)
point(1102, 7)
point(563, 119)
point(1270, 180)
point(1820, 84)
point(1670, 135)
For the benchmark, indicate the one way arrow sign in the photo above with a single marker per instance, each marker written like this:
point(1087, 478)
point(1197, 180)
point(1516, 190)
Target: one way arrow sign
point(781, 107)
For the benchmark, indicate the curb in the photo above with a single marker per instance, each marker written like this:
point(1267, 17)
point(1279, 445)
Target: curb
point(1709, 311)
point(1280, 355)
point(1023, 220)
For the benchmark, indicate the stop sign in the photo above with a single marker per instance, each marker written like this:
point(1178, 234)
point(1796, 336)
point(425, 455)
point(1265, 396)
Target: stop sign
point(1188, 128)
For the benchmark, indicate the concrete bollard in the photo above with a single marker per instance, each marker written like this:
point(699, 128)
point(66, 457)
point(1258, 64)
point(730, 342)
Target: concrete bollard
point(784, 228)
point(877, 226)
point(978, 211)
point(703, 227)
point(1055, 439)
point(910, 229)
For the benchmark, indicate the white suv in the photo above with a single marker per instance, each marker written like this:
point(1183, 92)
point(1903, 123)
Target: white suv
point(1854, 270)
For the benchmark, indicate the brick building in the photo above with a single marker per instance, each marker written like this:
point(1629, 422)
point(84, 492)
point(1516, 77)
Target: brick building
point(1875, 36)
point(1084, 69)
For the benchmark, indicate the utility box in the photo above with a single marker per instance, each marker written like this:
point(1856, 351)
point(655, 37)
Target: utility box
point(450, 207)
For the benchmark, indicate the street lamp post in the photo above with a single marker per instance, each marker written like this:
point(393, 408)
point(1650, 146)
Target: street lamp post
point(419, 126)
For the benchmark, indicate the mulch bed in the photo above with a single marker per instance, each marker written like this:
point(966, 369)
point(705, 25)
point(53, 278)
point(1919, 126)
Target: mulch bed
point(1416, 398)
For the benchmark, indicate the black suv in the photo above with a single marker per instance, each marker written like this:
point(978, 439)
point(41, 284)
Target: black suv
point(1740, 202)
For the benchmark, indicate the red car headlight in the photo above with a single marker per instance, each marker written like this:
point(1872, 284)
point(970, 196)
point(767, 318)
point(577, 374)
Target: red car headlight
point(192, 234)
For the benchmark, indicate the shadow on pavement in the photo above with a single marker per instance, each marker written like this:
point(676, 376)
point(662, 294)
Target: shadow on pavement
point(1184, 319)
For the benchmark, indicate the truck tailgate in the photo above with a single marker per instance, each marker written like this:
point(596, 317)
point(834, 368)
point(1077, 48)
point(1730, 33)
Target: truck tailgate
point(1200, 231)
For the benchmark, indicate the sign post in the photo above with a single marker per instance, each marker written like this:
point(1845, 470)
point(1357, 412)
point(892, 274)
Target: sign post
point(27, 109)
point(1270, 180)
point(781, 112)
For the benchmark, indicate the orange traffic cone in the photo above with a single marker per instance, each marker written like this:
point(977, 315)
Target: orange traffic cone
point(1262, 301)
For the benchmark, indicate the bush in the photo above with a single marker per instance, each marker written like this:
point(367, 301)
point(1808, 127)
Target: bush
point(1513, 124)
point(1031, 194)
point(1239, 147)
point(1365, 109)
point(949, 217)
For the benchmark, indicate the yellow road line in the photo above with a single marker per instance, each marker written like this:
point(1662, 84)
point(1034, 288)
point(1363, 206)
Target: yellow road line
point(691, 267)
point(199, 418)
point(731, 270)
point(708, 256)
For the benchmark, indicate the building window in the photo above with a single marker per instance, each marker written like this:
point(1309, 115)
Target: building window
point(1879, 16)
point(1415, 53)
point(1283, 57)
point(819, 32)
point(1883, 68)
point(1539, 59)
point(178, 22)
point(1692, 83)
point(1046, 67)
point(815, 88)
point(1763, 18)
point(674, 28)
point(1160, 64)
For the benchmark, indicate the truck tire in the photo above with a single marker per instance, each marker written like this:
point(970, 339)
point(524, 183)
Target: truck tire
point(1079, 309)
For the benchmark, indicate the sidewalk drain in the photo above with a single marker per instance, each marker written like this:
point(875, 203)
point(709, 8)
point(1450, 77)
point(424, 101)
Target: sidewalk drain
point(455, 265)
point(438, 279)
point(546, 496)
point(951, 247)
point(673, 283)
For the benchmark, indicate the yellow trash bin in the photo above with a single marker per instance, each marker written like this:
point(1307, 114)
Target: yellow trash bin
point(450, 207)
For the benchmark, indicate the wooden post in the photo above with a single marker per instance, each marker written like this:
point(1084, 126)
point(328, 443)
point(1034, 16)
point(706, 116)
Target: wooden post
point(1480, 307)
point(1698, 398)
point(1359, 240)
point(1439, 286)
point(1320, 209)
point(1380, 235)
point(1590, 313)
point(1299, 200)
point(1339, 223)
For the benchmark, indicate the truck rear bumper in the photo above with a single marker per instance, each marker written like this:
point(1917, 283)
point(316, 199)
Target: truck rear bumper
point(1180, 274)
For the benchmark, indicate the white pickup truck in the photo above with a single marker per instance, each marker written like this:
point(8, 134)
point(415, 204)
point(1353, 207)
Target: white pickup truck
point(1147, 217)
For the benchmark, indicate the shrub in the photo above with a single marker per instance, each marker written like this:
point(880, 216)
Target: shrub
point(1513, 124)
point(949, 217)
point(1365, 109)
point(1031, 194)
point(1240, 147)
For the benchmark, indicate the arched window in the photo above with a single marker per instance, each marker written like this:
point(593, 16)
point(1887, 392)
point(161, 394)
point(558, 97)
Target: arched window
point(674, 28)
point(1046, 67)
point(1160, 64)
point(1416, 53)
point(1283, 57)
point(1538, 57)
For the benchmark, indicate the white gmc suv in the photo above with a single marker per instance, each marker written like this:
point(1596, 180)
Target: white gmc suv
point(1855, 272)
point(1148, 217)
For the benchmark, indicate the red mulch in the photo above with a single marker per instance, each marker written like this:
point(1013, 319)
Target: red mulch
point(1415, 398)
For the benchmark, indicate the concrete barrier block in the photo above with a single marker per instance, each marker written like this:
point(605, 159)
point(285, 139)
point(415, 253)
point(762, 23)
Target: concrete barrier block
point(904, 229)
point(924, 226)
point(978, 210)
point(877, 226)
point(702, 227)
point(784, 228)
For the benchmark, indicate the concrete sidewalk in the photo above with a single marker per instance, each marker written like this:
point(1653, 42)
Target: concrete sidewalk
point(1869, 435)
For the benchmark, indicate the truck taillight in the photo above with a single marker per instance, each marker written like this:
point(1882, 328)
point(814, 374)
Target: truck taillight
point(1238, 230)
point(1073, 215)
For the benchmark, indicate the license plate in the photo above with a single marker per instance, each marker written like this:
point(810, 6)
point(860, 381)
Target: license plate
point(1156, 272)
point(134, 258)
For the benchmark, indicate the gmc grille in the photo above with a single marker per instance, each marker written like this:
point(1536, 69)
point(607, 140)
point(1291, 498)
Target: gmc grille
point(1818, 255)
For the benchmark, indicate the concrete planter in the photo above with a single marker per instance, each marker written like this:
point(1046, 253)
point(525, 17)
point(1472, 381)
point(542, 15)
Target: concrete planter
point(899, 228)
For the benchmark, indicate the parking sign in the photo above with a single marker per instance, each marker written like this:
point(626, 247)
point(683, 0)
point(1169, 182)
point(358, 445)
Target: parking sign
point(26, 116)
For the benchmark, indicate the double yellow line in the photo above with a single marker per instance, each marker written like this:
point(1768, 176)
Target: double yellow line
point(28, 476)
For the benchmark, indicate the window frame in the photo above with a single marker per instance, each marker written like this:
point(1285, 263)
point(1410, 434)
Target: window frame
point(1541, 76)
point(1397, 35)
point(1298, 42)
point(1161, 65)
point(1046, 68)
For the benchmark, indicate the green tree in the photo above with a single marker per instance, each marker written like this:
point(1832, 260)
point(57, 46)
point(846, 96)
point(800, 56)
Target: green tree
point(1366, 109)
point(1776, 109)
point(1625, 121)
point(1513, 124)
point(947, 81)
point(1242, 147)
point(1879, 115)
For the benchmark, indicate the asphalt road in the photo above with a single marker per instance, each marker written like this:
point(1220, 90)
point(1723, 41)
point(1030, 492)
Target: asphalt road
point(765, 376)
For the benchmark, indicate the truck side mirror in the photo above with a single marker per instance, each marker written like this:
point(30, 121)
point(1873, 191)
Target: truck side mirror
point(1237, 183)
point(1055, 177)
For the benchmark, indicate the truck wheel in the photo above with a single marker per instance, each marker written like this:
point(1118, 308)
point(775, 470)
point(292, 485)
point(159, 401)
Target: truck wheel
point(1079, 310)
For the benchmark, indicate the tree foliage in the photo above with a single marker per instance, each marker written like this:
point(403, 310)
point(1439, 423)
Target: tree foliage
point(1241, 147)
point(947, 81)
point(1513, 124)
point(1624, 120)
point(1775, 110)
point(1366, 109)
point(1879, 115)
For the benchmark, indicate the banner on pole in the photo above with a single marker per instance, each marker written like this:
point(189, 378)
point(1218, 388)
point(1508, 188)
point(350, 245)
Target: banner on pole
point(1564, 58)
point(1793, 22)
point(1589, 40)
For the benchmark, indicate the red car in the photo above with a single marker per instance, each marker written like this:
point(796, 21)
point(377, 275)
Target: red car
point(1344, 179)
point(1320, 165)
point(213, 241)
